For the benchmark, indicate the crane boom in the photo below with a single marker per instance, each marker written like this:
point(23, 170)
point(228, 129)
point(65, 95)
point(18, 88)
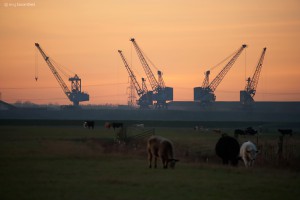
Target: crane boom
point(252, 83)
point(131, 75)
point(214, 84)
point(205, 94)
point(54, 71)
point(153, 82)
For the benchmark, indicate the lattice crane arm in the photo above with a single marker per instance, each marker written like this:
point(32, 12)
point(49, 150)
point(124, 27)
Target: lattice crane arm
point(131, 75)
point(54, 71)
point(252, 83)
point(214, 84)
point(151, 78)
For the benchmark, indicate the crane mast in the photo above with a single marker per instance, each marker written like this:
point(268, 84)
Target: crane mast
point(205, 94)
point(145, 99)
point(206, 79)
point(246, 96)
point(144, 86)
point(131, 75)
point(74, 95)
point(161, 80)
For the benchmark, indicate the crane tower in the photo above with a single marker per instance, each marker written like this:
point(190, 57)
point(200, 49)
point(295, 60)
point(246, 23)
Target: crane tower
point(75, 95)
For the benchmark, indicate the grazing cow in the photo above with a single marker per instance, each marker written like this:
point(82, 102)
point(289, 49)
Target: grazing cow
point(114, 125)
point(250, 131)
point(218, 131)
point(162, 148)
point(238, 132)
point(247, 131)
point(248, 153)
point(227, 148)
point(89, 124)
point(286, 131)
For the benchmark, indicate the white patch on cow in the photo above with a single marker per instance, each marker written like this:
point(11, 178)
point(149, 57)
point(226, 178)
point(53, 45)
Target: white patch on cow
point(248, 153)
point(85, 124)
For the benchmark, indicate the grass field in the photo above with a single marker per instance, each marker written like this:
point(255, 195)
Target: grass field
point(69, 162)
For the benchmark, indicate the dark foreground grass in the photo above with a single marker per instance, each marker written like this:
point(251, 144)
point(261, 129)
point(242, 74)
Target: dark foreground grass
point(69, 163)
point(116, 177)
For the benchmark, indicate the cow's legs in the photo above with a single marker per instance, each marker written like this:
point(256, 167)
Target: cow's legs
point(225, 161)
point(150, 159)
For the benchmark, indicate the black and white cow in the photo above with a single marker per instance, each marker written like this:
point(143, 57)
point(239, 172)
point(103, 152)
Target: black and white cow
point(89, 124)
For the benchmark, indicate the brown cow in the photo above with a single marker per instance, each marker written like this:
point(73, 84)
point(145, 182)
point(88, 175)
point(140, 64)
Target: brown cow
point(162, 148)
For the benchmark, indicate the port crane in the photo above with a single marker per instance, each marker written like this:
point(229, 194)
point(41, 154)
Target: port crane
point(205, 93)
point(145, 99)
point(161, 93)
point(246, 96)
point(75, 95)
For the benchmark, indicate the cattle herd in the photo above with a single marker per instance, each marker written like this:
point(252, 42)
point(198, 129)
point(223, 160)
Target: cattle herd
point(227, 147)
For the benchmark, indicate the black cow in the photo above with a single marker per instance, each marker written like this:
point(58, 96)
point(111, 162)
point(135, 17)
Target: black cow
point(228, 149)
point(286, 131)
point(250, 131)
point(238, 132)
point(247, 131)
point(89, 124)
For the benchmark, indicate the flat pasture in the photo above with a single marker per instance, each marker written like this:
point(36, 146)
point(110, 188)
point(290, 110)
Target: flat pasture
point(70, 162)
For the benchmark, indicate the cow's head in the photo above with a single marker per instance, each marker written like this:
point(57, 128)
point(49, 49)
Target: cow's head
point(172, 162)
point(251, 154)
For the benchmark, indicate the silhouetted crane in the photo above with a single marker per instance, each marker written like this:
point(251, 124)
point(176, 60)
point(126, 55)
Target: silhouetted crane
point(246, 96)
point(74, 95)
point(205, 94)
point(161, 94)
point(145, 99)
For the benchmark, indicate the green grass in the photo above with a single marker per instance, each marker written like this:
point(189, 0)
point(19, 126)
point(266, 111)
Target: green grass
point(58, 162)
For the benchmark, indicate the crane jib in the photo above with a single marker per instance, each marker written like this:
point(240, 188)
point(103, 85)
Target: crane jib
point(153, 82)
point(214, 84)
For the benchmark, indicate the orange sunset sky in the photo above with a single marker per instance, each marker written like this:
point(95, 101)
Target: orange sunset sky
point(183, 38)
